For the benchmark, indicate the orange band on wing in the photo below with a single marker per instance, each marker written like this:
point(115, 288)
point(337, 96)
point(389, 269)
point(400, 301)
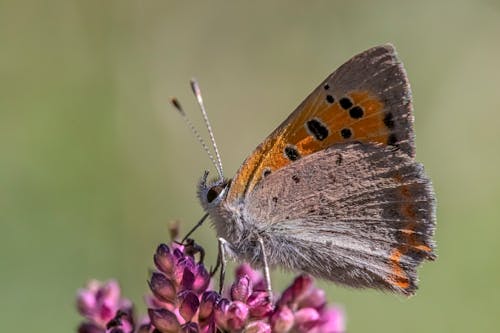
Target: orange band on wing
point(398, 277)
point(356, 116)
point(411, 240)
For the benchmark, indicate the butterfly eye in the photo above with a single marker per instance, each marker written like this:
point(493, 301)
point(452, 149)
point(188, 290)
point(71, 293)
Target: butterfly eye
point(213, 193)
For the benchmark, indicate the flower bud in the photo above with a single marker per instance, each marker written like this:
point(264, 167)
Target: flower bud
point(295, 293)
point(190, 328)
point(201, 279)
point(333, 320)
point(163, 259)
point(306, 319)
point(162, 287)
point(207, 304)
point(259, 304)
point(258, 327)
point(90, 328)
point(282, 320)
point(189, 304)
point(220, 311)
point(237, 315)
point(314, 299)
point(241, 289)
point(164, 320)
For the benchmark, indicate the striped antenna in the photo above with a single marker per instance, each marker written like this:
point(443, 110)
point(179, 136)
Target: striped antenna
point(193, 129)
point(197, 93)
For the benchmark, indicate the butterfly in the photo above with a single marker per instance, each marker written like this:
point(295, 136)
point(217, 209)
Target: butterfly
point(335, 190)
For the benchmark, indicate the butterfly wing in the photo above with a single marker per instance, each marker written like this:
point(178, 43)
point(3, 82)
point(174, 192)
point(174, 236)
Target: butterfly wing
point(358, 214)
point(367, 99)
point(334, 190)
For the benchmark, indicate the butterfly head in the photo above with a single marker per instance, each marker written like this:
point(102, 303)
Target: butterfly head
point(211, 193)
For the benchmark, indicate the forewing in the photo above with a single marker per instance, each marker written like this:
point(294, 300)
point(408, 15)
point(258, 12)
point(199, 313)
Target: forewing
point(367, 99)
point(358, 214)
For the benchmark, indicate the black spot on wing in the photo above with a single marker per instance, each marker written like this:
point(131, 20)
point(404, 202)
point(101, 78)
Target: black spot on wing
point(317, 129)
point(389, 120)
point(346, 133)
point(356, 112)
point(291, 153)
point(345, 103)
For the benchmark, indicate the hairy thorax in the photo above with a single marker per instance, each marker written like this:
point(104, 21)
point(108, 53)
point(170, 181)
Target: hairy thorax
point(241, 235)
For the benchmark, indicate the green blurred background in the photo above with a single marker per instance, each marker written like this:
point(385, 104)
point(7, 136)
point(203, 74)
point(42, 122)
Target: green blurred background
point(94, 162)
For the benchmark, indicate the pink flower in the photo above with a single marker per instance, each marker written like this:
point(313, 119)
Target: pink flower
point(103, 307)
point(301, 307)
point(179, 288)
point(182, 301)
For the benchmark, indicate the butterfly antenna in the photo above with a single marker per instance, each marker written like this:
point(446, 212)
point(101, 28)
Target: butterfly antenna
point(197, 92)
point(193, 129)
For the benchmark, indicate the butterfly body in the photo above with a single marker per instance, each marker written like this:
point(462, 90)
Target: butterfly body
point(335, 191)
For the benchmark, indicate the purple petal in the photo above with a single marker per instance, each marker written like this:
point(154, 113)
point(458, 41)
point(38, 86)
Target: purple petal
point(237, 314)
point(109, 295)
point(164, 320)
point(259, 304)
point(144, 328)
point(190, 328)
point(183, 264)
point(90, 328)
point(178, 254)
point(162, 287)
point(189, 304)
point(282, 320)
point(333, 320)
point(314, 299)
point(241, 289)
point(220, 312)
point(258, 327)
point(125, 327)
point(187, 279)
point(110, 290)
point(207, 304)
point(106, 313)
point(246, 269)
point(100, 301)
point(295, 292)
point(163, 259)
point(85, 302)
point(202, 279)
point(153, 302)
point(123, 322)
point(306, 318)
point(208, 327)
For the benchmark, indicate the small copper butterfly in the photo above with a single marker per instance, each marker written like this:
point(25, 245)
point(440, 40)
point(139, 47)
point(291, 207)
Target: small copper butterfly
point(335, 190)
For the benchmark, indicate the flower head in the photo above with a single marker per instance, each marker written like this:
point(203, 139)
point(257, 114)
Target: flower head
point(101, 304)
point(182, 301)
point(300, 308)
point(179, 288)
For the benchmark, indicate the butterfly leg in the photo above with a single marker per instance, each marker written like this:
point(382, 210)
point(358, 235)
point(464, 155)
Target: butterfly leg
point(213, 270)
point(267, 275)
point(222, 262)
point(191, 248)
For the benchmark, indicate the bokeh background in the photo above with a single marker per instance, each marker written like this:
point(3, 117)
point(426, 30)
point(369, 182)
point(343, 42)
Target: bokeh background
point(94, 162)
